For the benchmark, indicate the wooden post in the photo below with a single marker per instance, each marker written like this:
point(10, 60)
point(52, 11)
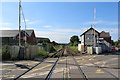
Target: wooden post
point(94, 26)
point(19, 22)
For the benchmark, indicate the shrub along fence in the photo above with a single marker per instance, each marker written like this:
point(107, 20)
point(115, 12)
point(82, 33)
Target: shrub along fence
point(29, 52)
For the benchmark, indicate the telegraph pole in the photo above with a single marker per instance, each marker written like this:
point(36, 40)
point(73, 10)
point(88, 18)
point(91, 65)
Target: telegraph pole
point(19, 22)
point(94, 26)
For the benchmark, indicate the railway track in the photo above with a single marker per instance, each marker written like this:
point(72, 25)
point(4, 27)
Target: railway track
point(99, 67)
point(69, 55)
point(115, 78)
point(76, 63)
point(55, 55)
point(53, 67)
point(66, 74)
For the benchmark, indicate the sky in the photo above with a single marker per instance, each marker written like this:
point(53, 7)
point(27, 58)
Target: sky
point(58, 21)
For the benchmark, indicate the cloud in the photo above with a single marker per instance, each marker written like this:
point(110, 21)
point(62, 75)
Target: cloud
point(48, 26)
point(26, 20)
point(110, 30)
point(5, 28)
point(102, 22)
point(34, 22)
point(68, 30)
point(59, 35)
point(53, 36)
point(5, 24)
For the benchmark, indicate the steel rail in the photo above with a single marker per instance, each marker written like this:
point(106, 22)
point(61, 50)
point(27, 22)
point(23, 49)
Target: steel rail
point(32, 67)
point(79, 68)
point(29, 69)
point(53, 67)
point(104, 70)
point(97, 67)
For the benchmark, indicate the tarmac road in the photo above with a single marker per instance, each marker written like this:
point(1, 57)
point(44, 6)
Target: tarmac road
point(93, 66)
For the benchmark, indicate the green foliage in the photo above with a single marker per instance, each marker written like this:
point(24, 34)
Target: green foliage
point(48, 47)
point(46, 40)
point(43, 52)
point(27, 44)
point(57, 47)
point(75, 43)
point(74, 48)
point(117, 43)
point(6, 52)
point(0, 53)
point(74, 39)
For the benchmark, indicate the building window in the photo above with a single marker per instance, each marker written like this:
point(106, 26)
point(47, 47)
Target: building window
point(89, 37)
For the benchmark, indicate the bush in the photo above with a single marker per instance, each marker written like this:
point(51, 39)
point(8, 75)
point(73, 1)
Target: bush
point(43, 52)
point(74, 48)
point(75, 44)
point(48, 47)
point(0, 53)
point(57, 47)
point(6, 52)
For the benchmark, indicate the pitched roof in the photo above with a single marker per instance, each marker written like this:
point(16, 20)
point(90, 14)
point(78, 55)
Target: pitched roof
point(13, 33)
point(104, 34)
point(88, 30)
point(29, 32)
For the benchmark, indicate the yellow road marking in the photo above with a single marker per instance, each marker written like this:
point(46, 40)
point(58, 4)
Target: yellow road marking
point(59, 68)
point(94, 56)
point(77, 58)
point(49, 61)
point(45, 66)
point(99, 71)
point(103, 65)
point(59, 60)
point(91, 59)
point(63, 60)
point(8, 75)
point(40, 68)
point(11, 69)
point(82, 59)
point(66, 71)
point(30, 63)
point(6, 64)
point(113, 64)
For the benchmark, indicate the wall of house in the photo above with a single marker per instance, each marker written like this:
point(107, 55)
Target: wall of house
point(8, 41)
point(82, 40)
point(108, 39)
point(89, 37)
point(32, 39)
point(22, 38)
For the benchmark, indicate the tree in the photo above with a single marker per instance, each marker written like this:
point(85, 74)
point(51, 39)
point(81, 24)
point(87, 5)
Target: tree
point(45, 40)
point(74, 39)
point(117, 43)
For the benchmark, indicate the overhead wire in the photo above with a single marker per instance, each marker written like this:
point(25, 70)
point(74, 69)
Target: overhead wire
point(24, 20)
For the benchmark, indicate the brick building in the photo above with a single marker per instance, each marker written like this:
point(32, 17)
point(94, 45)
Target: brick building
point(11, 37)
